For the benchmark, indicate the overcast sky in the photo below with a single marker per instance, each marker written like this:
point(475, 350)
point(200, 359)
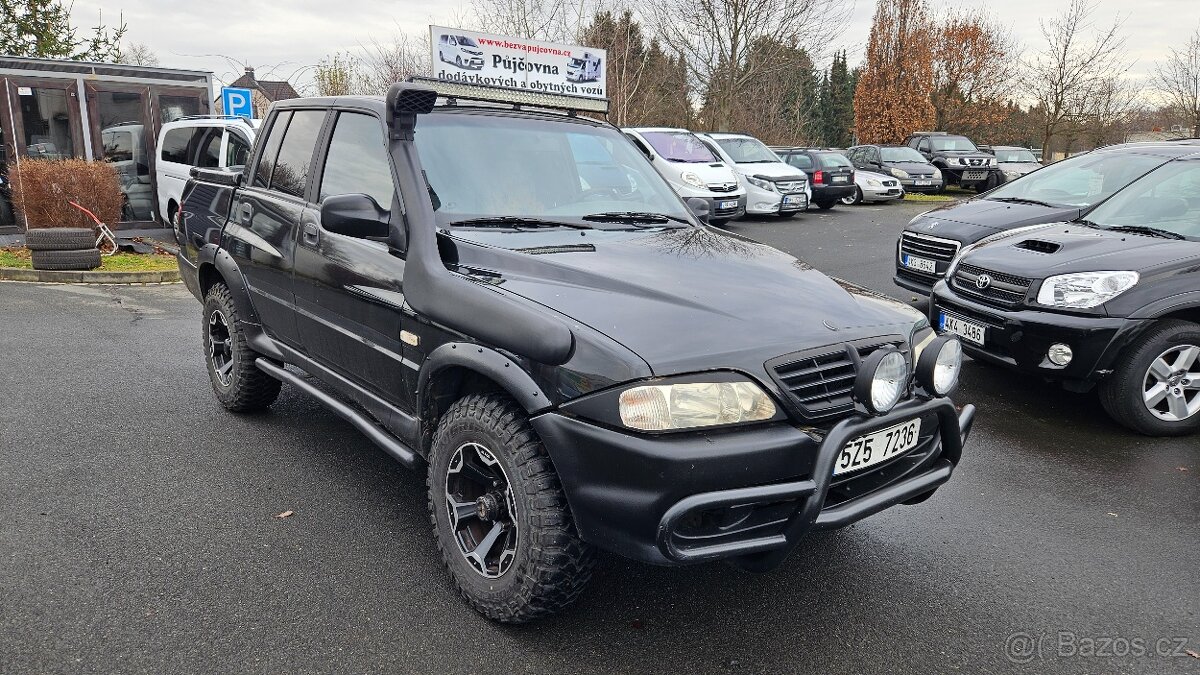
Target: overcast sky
point(284, 40)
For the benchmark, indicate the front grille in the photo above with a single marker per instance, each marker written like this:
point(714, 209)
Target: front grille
point(977, 161)
point(819, 381)
point(790, 186)
point(723, 187)
point(725, 213)
point(1001, 290)
point(942, 250)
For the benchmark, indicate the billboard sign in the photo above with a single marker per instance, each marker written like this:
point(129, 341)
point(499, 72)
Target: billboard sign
point(479, 58)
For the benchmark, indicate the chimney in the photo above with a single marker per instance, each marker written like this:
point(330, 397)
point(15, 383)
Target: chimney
point(250, 72)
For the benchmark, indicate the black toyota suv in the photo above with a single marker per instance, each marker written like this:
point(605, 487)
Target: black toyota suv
point(1109, 300)
point(1063, 191)
point(960, 162)
point(830, 173)
point(506, 294)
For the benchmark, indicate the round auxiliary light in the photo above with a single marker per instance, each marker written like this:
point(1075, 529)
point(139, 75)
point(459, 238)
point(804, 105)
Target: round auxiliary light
point(881, 380)
point(1060, 354)
point(940, 364)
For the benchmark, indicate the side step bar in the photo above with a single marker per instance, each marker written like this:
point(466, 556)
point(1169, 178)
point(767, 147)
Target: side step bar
point(387, 442)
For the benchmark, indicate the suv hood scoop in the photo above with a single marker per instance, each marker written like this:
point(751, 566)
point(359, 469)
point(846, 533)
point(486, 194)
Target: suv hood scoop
point(672, 295)
point(1081, 249)
point(1039, 246)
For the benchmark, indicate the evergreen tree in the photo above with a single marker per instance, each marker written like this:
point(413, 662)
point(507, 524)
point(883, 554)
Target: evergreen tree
point(42, 29)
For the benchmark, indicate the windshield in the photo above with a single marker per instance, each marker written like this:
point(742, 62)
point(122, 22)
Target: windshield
point(466, 42)
point(678, 146)
point(1166, 199)
point(901, 154)
point(1080, 181)
point(747, 150)
point(575, 63)
point(952, 143)
point(833, 160)
point(482, 166)
point(1016, 156)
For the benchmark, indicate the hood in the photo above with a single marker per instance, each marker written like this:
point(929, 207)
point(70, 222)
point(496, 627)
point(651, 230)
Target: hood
point(1062, 248)
point(709, 172)
point(913, 168)
point(1021, 167)
point(772, 170)
point(683, 299)
point(861, 176)
point(972, 220)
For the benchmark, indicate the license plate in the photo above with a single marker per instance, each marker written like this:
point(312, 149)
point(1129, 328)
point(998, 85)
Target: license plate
point(967, 330)
point(912, 262)
point(727, 205)
point(840, 179)
point(922, 182)
point(796, 201)
point(878, 447)
point(974, 175)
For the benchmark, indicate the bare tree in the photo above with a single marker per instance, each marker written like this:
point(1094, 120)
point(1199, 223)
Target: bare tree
point(385, 62)
point(972, 73)
point(553, 20)
point(717, 39)
point(1064, 76)
point(337, 75)
point(137, 54)
point(1178, 79)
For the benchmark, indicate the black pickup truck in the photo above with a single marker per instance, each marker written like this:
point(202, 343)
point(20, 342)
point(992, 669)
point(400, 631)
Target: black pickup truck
point(506, 292)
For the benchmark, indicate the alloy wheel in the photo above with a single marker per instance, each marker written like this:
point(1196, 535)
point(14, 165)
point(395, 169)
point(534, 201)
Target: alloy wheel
point(220, 346)
point(482, 510)
point(1171, 389)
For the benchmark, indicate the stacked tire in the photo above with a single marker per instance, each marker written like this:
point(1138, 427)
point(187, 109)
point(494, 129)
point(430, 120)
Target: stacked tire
point(63, 248)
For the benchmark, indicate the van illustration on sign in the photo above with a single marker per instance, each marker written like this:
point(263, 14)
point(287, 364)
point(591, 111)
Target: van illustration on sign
point(461, 51)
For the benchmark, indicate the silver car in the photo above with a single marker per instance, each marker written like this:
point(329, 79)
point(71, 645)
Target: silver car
point(873, 187)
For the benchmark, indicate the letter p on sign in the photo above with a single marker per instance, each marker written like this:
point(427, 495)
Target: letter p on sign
point(237, 102)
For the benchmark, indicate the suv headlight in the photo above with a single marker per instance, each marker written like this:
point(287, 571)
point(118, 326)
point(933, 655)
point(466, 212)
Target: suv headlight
point(691, 179)
point(882, 381)
point(693, 404)
point(761, 183)
point(1084, 290)
point(939, 365)
point(937, 173)
point(899, 173)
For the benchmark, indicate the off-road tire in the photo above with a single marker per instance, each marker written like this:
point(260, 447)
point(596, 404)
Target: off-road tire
point(552, 565)
point(60, 239)
point(1121, 392)
point(66, 260)
point(248, 389)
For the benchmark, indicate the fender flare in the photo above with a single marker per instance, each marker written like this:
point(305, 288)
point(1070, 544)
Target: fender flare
point(1174, 303)
point(487, 362)
point(227, 267)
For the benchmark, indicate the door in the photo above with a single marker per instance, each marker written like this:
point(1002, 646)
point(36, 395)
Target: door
point(265, 216)
point(350, 291)
point(46, 118)
point(121, 132)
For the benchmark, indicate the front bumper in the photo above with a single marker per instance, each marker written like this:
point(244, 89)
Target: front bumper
point(931, 185)
point(718, 208)
point(767, 202)
point(1019, 338)
point(880, 194)
point(971, 175)
point(747, 494)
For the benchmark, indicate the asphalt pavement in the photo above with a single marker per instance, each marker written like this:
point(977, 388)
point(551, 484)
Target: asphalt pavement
point(139, 528)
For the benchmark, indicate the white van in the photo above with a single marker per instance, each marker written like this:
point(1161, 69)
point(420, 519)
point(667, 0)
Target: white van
point(692, 170)
point(584, 69)
point(208, 141)
point(460, 50)
point(773, 187)
point(125, 148)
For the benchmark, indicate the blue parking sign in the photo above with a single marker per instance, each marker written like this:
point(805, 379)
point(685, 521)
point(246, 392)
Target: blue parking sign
point(237, 102)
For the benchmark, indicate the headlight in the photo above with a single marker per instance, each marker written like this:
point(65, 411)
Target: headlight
point(1085, 289)
point(871, 182)
point(991, 161)
point(691, 179)
point(1011, 174)
point(899, 173)
point(939, 365)
point(760, 183)
point(882, 380)
point(698, 404)
point(937, 173)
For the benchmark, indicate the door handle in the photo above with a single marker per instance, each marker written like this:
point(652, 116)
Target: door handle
point(312, 234)
point(246, 212)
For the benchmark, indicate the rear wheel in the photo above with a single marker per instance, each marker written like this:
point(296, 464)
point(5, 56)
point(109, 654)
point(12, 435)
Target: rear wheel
point(1156, 389)
point(856, 198)
point(238, 383)
point(499, 515)
point(825, 206)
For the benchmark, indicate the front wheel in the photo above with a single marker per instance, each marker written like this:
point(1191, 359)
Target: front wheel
point(499, 514)
point(856, 198)
point(1156, 389)
point(238, 383)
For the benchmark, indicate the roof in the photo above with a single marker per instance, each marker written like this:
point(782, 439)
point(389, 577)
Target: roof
point(66, 66)
point(272, 90)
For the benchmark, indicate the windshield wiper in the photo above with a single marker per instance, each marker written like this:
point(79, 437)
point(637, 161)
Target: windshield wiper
point(1149, 231)
point(515, 221)
point(635, 217)
point(1022, 200)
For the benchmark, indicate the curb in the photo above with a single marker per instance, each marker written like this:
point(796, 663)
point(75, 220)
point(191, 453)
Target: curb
point(88, 277)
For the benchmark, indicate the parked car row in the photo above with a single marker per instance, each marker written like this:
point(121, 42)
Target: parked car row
point(1085, 272)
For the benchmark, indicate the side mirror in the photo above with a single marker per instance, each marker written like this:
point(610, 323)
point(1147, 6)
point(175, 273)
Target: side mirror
point(699, 207)
point(354, 216)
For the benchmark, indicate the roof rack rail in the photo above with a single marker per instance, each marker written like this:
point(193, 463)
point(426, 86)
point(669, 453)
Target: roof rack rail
point(467, 91)
point(211, 117)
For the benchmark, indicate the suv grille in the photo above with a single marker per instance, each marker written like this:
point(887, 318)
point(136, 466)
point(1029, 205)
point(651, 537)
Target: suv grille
point(790, 186)
point(942, 250)
point(819, 381)
point(977, 161)
point(1000, 289)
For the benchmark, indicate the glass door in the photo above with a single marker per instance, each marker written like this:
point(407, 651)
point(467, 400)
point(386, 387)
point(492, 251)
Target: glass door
point(46, 116)
point(121, 132)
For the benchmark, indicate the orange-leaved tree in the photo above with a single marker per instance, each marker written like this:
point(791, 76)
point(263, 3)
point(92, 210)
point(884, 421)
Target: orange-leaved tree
point(891, 99)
